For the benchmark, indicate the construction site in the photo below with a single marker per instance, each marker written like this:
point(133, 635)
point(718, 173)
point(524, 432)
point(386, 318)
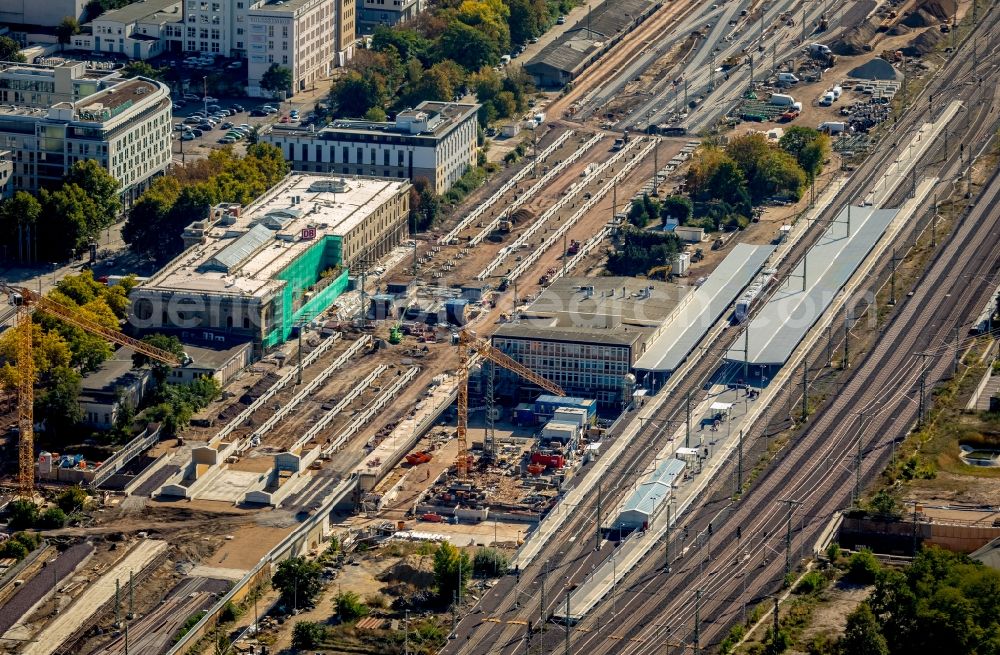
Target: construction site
point(429, 389)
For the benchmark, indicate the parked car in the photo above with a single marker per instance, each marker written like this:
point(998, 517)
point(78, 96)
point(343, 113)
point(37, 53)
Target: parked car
point(189, 136)
point(191, 96)
point(285, 119)
point(226, 125)
point(210, 99)
point(239, 109)
point(227, 140)
point(245, 126)
point(561, 20)
point(294, 113)
point(178, 106)
point(258, 112)
point(235, 64)
point(192, 120)
point(181, 127)
point(213, 107)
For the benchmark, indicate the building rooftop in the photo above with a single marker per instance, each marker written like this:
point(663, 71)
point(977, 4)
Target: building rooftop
point(113, 373)
point(243, 253)
point(283, 5)
point(144, 11)
point(209, 357)
point(688, 325)
point(429, 119)
point(570, 51)
point(656, 489)
point(796, 304)
point(611, 310)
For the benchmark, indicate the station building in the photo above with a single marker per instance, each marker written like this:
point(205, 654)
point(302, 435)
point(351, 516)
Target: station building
point(255, 272)
point(585, 334)
point(435, 141)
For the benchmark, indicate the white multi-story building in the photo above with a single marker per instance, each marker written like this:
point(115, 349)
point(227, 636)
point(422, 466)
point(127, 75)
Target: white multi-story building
point(53, 116)
point(294, 34)
point(308, 37)
point(436, 141)
point(139, 31)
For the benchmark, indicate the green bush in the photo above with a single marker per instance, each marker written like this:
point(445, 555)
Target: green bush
point(189, 623)
point(13, 548)
point(22, 514)
point(72, 500)
point(307, 634)
point(862, 567)
point(52, 519)
point(810, 582)
point(489, 562)
point(349, 606)
point(833, 552)
point(229, 613)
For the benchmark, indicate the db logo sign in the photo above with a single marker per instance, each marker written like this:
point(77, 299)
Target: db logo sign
point(308, 233)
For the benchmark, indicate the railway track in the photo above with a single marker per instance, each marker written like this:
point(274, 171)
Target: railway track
point(568, 559)
point(895, 372)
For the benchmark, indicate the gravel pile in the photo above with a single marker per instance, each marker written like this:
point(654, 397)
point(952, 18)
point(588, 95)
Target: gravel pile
point(876, 69)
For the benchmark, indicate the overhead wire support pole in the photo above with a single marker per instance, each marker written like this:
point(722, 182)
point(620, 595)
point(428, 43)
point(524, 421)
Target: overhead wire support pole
point(892, 278)
point(697, 622)
point(858, 458)
point(805, 389)
point(792, 504)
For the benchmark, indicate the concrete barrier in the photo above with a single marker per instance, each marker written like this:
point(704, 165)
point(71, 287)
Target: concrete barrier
point(142, 442)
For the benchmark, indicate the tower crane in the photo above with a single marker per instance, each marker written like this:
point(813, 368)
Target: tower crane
point(27, 302)
point(469, 342)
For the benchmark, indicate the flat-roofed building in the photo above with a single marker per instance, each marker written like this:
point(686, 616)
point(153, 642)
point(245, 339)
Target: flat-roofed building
point(54, 116)
point(375, 13)
point(435, 141)
point(254, 272)
point(585, 334)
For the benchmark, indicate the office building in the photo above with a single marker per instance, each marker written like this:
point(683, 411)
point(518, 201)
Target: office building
point(374, 13)
point(435, 141)
point(254, 272)
point(138, 31)
point(53, 116)
point(585, 334)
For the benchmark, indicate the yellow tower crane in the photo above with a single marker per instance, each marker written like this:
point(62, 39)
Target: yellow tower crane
point(469, 343)
point(27, 302)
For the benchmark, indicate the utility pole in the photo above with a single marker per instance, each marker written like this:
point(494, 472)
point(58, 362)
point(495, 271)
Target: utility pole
point(541, 604)
point(118, 603)
point(666, 538)
point(934, 223)
point(697, 622)
point(567, 622)
point(298, 372)
point(597, 532)
point(614, 199)
point(739, 464)
point(914, 528)
point(847, 339)
point(922, 406)
point(955, 358)
point(892, 278)
point(858, 458)
point(131, 598)
point(829, 344)
point(687, 431)
point(913, 182)
point(711, 78)
point(746, 353)
point(788, 533)
point(656, 165)
point(805, 389)
point(564, 258)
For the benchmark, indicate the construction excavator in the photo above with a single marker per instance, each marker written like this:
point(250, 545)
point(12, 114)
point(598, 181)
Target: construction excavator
point(665, 269)
point(470, 344)
point(28, 302)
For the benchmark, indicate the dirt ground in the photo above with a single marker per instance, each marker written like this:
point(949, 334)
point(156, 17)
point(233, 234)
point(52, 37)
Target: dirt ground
point(830, 614)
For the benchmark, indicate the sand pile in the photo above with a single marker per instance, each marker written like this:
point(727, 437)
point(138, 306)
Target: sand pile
point(876, 69)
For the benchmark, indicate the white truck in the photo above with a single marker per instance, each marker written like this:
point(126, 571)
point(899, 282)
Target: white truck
point(781, 100)
point(787, 78)
point(832, 127)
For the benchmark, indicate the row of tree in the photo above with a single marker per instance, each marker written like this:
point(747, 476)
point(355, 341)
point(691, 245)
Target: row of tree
point(726, 183)
point(156, 221)
point(449, 50)
point(86, 202)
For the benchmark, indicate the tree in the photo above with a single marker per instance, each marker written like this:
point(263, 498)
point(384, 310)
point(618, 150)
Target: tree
point(452, 570)
point(65, 30)
point(298, 580)
point(353, 95)
point(139, 68)
point(884, 504)
point(375, 114)
point(15, 549)
point(276, 79)
point(169, 343)
point(21, 514)
point(469, 47)
point(489, 562)
point(10, 50)
point(52, 519)
point(809, 147)
point(101, 186)
point(425, 207)
point(19, 216)
point(862, 636)
point(59, 405)
point(409, 43)
point(349, 606)
point(307, 634)
point(677, 209)
point(526, 19)
point(72, 500)
point(863, 567)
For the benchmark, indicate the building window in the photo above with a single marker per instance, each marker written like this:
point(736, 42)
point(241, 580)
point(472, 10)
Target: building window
point(284, 59)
